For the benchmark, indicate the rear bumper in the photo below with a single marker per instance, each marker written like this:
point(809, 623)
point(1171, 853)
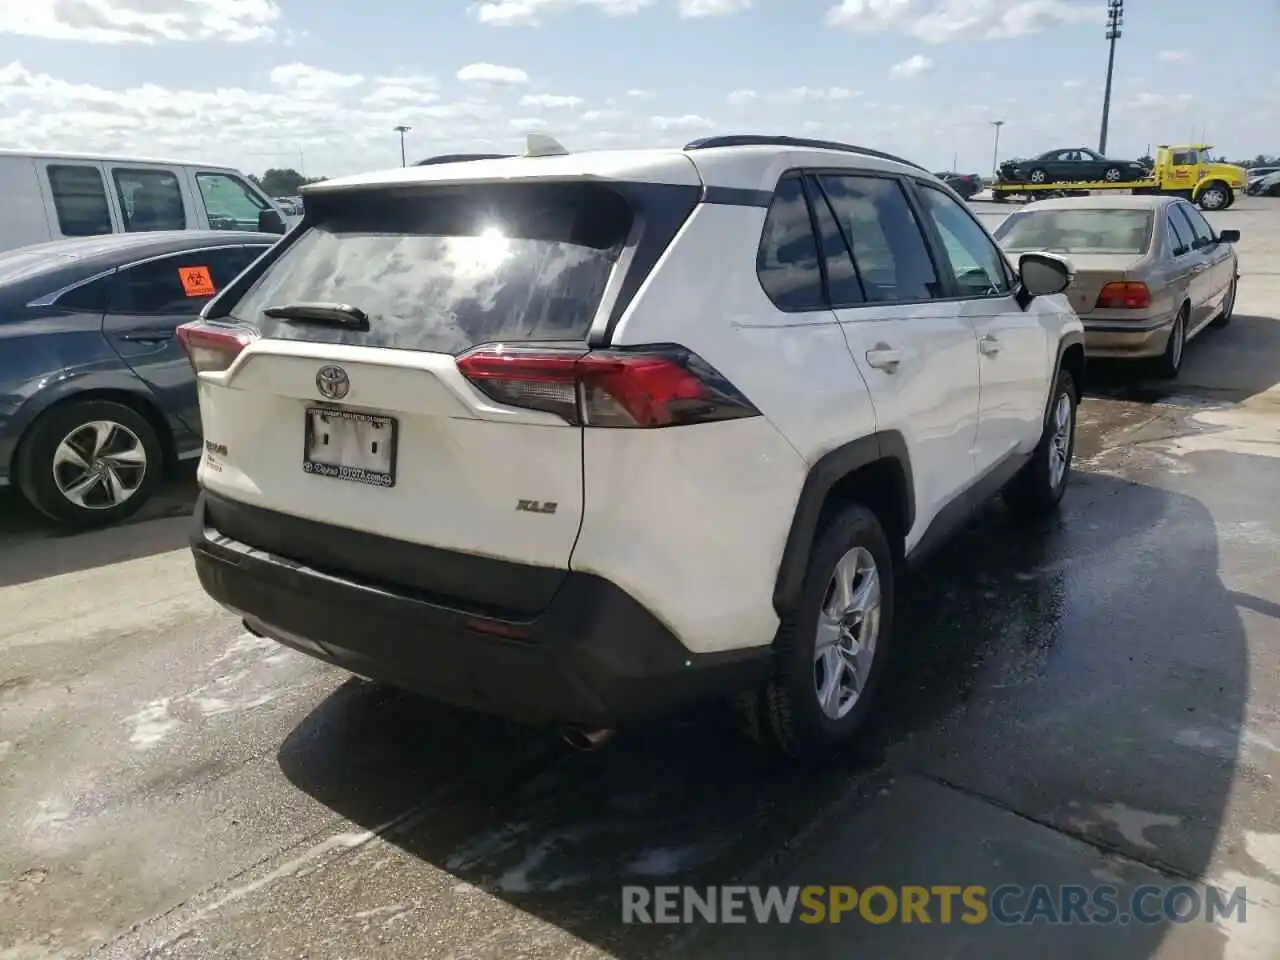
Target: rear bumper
point(593, 656)
point(1109, 339)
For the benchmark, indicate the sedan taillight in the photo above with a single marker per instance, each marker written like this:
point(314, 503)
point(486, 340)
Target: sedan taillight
point(1126, 295)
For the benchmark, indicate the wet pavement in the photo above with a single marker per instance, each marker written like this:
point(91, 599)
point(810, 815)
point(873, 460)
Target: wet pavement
point(1094, 699)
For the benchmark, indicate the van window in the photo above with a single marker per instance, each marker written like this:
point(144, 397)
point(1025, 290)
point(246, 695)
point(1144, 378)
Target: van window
point(229, 202)
point(80, 200)
point(150, 200)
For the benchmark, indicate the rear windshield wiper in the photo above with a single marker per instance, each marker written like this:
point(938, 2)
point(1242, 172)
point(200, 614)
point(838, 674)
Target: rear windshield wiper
point(327, 314)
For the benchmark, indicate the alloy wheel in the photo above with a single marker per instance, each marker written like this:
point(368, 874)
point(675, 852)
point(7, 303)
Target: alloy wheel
point(99, 465)
point(1060, 440)
point(848, 628)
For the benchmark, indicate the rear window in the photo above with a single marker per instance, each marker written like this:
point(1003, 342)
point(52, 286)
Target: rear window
point(1077, 231)
point(446, 268)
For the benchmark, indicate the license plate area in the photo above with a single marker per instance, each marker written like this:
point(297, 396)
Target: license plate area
point(345, 445)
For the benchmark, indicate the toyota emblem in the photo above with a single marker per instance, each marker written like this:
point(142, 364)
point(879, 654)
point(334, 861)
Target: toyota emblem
point(333, 383)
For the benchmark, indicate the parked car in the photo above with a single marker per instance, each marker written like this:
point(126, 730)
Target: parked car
point(1257, 173)
point(1076, 165)
point(99, 398)
point(1151, 272)
point(497, 460)
point(51, 196)
point(967, 185)
point(1265, 186)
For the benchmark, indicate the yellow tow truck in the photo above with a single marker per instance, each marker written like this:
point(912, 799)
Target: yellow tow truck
point(1183, 170)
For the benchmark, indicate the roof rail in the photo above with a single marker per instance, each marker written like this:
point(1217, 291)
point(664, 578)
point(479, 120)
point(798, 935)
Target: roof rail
point(460, 158)
point(757, 140)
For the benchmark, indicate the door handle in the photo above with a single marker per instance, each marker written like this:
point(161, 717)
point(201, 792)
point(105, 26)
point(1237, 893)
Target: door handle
point(885, 358)
point(144, 336)
point(989, 345)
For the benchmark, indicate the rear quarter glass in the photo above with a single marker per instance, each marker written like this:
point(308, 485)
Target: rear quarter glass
point(444, 269)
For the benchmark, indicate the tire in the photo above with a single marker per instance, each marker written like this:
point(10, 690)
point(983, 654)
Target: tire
point(1113, 175)
point(1170, 363)
point(127, 469)
point(1215, 196)
point(1228, 306)
point(788, 713)
point(1039, 486)
point(1038, 176)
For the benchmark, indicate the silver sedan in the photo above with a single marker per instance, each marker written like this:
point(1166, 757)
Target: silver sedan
point(1151, 273)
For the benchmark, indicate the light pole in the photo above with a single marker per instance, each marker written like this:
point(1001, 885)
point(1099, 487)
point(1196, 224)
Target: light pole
point(995, 151)
point(402, 130)
point(1115, 20)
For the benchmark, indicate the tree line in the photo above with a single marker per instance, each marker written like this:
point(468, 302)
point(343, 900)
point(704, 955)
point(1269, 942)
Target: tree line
point(282, 183)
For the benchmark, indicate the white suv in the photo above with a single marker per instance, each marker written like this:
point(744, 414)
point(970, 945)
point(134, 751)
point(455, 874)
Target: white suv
point(586, 437)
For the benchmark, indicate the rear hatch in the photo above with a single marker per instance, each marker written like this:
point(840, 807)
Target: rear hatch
point(370, 426)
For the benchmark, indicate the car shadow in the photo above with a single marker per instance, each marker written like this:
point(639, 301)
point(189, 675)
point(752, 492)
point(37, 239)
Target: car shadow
point(1227, 365)
point(1009, 628)
point(33, 547)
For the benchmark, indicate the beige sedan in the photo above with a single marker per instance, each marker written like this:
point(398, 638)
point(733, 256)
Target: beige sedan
point(1151, 273)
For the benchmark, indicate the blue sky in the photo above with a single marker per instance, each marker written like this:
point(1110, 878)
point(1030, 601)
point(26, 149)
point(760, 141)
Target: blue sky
point(321, 83)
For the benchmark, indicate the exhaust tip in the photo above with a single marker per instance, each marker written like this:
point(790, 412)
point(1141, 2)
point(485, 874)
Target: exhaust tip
point(586, 739)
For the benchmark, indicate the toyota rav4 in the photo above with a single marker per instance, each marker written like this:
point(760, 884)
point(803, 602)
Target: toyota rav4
point(583, 438)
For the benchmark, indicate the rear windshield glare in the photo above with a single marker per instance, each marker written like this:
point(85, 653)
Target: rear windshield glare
point(443, 269)
point(1077, 231)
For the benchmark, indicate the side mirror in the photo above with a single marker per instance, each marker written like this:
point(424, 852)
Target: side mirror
point(1043, 275)
point(1228, 236)
point(270, 221)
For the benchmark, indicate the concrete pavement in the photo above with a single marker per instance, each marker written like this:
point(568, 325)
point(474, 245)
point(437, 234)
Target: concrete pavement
point(1092, 700)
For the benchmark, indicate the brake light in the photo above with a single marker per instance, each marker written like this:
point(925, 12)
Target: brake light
point(213, 348)
point(1124, 296)
point(660, 386)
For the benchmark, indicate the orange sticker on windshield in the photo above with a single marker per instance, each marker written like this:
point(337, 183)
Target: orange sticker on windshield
point(196, 281)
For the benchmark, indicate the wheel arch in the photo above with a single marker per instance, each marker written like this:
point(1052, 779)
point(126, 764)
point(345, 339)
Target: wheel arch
point(143, 405)
point(1071, 357)
point(875, 471)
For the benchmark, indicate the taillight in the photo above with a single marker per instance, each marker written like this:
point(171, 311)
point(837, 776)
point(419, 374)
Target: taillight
point(1124, 296)
point(661, 386)
point(213, 348)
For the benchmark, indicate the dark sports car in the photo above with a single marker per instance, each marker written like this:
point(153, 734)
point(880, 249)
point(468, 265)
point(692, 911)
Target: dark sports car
point(965, 184)
point(1076, 165)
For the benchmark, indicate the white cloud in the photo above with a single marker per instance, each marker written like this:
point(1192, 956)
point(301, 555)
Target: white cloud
point(869, 16)
point(549, 101)
point(1173, 55)
point(911, 67)
point(492, 75)
point(688, 121)
point(1073, 84)
point(712, 8)
point(742, 98)
point(602, 116)
point(531, 13)
point(947, 20)
point(304, 81)
point(640, 94)
point(527, 124)
point(140, 21)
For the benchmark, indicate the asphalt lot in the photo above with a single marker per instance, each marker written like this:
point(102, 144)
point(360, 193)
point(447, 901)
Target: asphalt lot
point(1096, 700)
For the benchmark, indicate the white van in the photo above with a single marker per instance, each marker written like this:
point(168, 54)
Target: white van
point(48, 196)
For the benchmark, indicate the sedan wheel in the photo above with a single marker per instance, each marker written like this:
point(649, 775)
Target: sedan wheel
point(1171, 362)
point(1038, 176)
point(90, 463)
point(1113, 175)
point(1228, 307)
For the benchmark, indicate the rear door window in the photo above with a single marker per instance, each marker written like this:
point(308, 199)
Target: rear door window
point(182, 283)
point(79, 200)
point(150, 200)
point(1198, 224)
point(1178, 234)
point(443, 269)
point(888, 246)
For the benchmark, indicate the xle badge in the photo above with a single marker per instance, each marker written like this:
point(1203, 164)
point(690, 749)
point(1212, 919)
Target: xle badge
point(534, 506)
